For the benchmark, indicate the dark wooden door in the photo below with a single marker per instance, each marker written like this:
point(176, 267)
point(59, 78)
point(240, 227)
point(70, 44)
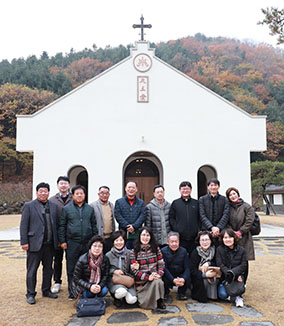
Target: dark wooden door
point(146, 174)
point(145, 187)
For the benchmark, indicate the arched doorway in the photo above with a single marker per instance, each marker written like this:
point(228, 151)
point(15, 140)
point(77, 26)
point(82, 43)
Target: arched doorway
point(146, 170)
point(78, 175)
point(205, 173)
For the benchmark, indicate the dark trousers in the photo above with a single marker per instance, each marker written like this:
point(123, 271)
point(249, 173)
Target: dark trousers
point(57, 265)
point(130, 244)
point(168, 284)
point(73, 252)
point(189, 245)
point(44, 256)
point(107, 245)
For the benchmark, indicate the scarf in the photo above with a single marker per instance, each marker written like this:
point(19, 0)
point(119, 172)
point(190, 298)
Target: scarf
point(120, 254)
point(95, 263)
point(206, 256)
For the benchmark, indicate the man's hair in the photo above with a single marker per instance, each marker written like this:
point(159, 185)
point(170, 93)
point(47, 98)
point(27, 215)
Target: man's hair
point(213, 180)
point(63, 178)
point(130, 181)
point(184, 184)
point(106, 187)
point(78, 187)
point(173, 234)
point(42, 185)
point(158, 186)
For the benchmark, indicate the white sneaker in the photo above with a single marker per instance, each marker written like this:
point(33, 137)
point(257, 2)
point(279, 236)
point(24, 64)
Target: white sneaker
point(56, 288)
point(239, 302)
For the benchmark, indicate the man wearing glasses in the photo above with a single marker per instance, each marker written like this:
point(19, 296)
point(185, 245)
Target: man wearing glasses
point(104, 212)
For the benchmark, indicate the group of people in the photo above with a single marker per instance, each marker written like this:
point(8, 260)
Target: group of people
point(189, 244)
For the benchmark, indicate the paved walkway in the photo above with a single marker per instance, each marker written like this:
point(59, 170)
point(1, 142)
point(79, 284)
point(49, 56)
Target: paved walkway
point(178, 312)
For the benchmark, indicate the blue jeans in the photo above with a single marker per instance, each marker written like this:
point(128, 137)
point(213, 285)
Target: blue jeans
point(222, 292)
point(89, 294)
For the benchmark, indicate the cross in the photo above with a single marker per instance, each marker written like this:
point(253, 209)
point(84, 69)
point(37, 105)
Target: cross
point(142, 26)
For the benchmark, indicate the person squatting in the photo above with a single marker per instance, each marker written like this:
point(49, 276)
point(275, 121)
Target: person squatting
point(198, 247)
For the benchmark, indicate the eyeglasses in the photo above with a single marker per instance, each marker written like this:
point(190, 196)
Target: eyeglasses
point(97, 246)
point(204, 240)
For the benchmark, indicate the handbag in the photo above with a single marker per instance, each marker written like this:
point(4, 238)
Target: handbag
point(125, 280)
point(255, 228)
point(235, 288)
point(87, 307)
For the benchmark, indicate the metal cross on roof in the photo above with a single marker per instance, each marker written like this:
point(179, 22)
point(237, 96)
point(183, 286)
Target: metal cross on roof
point(142, 26)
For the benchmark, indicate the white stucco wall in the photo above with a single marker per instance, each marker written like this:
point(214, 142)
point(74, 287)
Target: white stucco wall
point(100, 124)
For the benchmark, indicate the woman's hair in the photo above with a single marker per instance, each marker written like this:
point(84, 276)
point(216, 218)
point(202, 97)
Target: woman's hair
point(137, 243)
point(231, 233)
point(96, 238)
point(228, 191)
point(116, 234)
point(200, 233)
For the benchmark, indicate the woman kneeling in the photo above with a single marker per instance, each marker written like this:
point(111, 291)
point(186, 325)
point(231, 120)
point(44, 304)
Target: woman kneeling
point(232, 260)
point(121, 282)
point(147, 264)
point(92, 269)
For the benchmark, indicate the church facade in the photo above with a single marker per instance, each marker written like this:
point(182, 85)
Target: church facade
point(142, 120)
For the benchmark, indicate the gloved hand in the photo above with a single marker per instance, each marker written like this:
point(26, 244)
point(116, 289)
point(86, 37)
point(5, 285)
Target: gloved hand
point(230, 276)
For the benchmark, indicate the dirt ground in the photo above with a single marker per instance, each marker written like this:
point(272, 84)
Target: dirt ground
point(264, 288)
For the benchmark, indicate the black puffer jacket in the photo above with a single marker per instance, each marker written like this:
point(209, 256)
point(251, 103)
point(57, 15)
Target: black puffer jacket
point(234, 260)
point(206, 212)
point(82, 272)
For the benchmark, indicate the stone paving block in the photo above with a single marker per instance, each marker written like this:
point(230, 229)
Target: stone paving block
point(256, 323)
point(172, 321)
point(204, 307)
point(260, 253)
point(212, 319)
point(18, 257)
point(83, 321)
point(276, 253)
point(247, 311)
point(127, 317)
point(168, 310)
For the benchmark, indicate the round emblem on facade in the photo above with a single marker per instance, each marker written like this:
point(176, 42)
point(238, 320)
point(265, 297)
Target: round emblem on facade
point(142, 62)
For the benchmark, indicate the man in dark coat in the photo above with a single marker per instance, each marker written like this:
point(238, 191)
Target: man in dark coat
point(61, 199)
point(130, 212)
point(38, 234)
point(176, 271)
point(184, 217)
point(77, 225)
point(214, 210)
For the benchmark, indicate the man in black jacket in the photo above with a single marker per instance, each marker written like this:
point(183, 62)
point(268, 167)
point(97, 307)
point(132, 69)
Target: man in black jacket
point(77, 225)
point(214, 210)
point(184, 217)
point(61, 199)
point(176, 271)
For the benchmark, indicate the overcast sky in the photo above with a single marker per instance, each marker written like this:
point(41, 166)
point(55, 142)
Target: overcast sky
point(32, 26)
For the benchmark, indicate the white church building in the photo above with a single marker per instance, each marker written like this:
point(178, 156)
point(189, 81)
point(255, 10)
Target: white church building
point(142, 120)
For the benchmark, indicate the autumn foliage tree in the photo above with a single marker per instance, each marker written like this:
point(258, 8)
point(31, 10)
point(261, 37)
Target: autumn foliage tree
point(274, 18)
point(17, 99)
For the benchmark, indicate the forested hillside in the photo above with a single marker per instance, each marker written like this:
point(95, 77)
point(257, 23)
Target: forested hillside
point(250, 76)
